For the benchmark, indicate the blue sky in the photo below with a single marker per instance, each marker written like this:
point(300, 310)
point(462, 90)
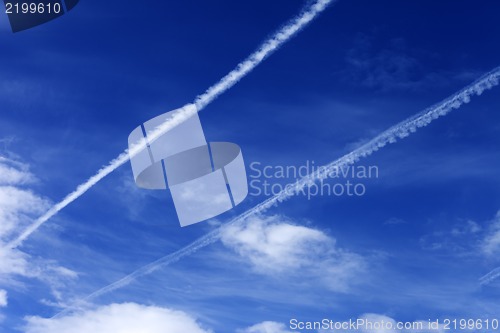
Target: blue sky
point(412, 248)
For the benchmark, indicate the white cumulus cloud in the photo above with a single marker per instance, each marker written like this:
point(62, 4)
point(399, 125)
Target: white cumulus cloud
point(17, 203)
point(379, 323)
point(266, 327)
point(17, 206)
point(274, 245)
point(3, 303)
point(118, 318)
point(3, 298)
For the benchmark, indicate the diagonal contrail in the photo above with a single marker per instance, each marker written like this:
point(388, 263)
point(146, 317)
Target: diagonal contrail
point(490, 277)
point(272, 44)
point(391, 135)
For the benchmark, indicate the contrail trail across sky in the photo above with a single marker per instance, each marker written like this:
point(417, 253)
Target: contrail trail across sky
point(490, 277)
point(391, 135)
point(273, 43)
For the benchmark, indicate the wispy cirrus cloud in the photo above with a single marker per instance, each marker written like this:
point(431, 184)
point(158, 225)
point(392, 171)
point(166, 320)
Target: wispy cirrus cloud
point(391, 135)
point(14, 173)
point(467, 237)
point(491, 243)
point(18, 205)
point(490, 246)
point(462, 238)
point(394, 66)
point(272, 44)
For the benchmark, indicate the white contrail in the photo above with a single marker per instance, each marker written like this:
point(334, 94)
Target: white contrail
point(490, 277)
point(399, 131)
point(242, 69)
point(269, 46)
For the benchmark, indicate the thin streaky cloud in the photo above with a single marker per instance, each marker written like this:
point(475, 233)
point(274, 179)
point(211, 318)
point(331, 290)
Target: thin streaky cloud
point(267, 48)
point(490, 277)
point(272, 44)
point(391, 135)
